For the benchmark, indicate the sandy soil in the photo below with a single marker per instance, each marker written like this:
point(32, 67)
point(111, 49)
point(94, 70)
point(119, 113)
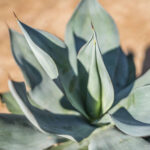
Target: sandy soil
point(132, 19)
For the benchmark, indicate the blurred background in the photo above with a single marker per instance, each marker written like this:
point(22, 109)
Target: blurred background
point(131, 17)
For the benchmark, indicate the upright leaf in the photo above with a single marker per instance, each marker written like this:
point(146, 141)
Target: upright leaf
point(79, 30)
point(98, 98)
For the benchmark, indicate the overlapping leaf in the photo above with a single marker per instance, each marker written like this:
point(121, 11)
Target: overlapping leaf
point(69, 126)
point(90, 11)
point(16, 133)
point(44, 46)
point(79, 31)
point(106, 139)
point(141, 81)
point(44, 91)
point(129, 125)
point(112, 139)
point(138, 103)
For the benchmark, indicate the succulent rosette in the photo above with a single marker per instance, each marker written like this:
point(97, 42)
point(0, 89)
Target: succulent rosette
point(80, 89)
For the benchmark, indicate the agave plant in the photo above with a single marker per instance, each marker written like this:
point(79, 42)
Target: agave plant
point(82, 94)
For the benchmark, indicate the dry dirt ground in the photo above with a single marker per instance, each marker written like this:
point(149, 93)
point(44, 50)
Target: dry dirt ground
point(132, 19)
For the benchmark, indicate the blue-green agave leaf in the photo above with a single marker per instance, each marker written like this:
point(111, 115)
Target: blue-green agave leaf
point(46, 47)
point(42, 46)
point(16, 133)
point(44, 91)
point(79, 30)
point(124, 77)
point(129, 125)
point(142, 80)
point(25, 59)
point(44, 60)
point(121, 75)
point(112, 139)
point(108, 138)
point(131, 69)
point(14, 108)
point(98, 98)
point(10, 102)
point(138, 104)
point(139, 82)
point(69, 126)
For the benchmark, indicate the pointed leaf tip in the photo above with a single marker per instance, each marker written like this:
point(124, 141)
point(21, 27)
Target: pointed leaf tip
point(92, 25)
point(86, 12)
point(15, 15)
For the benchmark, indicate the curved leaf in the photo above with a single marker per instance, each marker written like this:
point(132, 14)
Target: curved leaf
point(43, 48)
point(69, 126)
point(46, 47)
point(18, 42)
point(129, 125)
point(44, 91)
point(141, 81)
point(16, 133)
point(112, 139)
point(138, 104)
